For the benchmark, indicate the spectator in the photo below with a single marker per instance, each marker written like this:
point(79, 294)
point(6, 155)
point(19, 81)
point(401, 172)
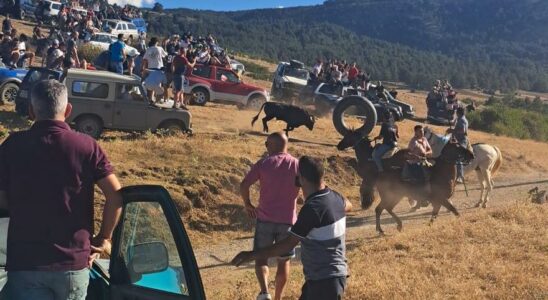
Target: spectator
point(203, 54)
point(54, 56)
point(320, 227)
point(117, 55)
point(179, 68)
point(153, 65)
point(54, 215)
point(172, 49)
point(71, 54)
point(317, 69)
point(23, 53)
point(276, 212)
point(6, 25)
point(353, 74)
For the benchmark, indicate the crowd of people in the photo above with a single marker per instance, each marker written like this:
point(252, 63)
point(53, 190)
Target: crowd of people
point(14, 47)
point(340, 73)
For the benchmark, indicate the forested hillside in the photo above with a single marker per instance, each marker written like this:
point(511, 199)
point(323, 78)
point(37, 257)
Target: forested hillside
point(491, 44)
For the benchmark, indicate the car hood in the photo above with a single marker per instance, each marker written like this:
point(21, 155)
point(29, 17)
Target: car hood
point(295, 80)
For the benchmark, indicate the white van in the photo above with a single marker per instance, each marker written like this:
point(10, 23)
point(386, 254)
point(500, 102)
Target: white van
point(115, 27)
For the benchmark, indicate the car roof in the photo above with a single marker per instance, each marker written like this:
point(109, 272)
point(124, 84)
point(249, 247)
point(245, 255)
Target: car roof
point(103, 76)
point(117, 21)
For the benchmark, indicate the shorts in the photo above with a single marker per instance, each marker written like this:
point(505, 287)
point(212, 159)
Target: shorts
point(268, 233)
point(325, 289)
point(117, 67)
point(68, 63)
point(154, 81)
point(178, 82)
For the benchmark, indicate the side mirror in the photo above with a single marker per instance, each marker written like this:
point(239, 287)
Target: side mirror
point(148, 258)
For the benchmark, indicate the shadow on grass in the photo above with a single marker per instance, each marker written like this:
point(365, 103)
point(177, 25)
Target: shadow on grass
point(292, 140)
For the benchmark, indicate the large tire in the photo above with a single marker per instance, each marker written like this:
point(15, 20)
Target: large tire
point(8, 93)
point(173, 127)
point(202, 96)
point(256, 102)
point(90, 125)
point(365, 106)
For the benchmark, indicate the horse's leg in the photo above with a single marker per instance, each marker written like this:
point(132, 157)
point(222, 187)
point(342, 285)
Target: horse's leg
point(481, 180)
point(489, 182)
point(436, 205)
point(378, 212)
point(450, 207)
point(396, 218)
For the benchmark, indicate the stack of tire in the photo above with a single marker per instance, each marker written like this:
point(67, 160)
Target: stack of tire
point(364, 107)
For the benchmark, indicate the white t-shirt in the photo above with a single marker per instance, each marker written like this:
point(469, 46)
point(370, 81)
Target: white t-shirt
point(22, 47)
point(154, 56)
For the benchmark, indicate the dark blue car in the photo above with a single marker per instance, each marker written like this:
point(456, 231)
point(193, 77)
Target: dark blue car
point(151, 258)
point(10, 79)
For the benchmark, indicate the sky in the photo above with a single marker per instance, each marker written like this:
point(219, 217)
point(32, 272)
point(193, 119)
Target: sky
point(224, 5)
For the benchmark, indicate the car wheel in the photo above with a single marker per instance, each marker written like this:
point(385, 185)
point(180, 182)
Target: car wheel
point(90, 125)
point(201, 96)
point(173, 127)
point(9, 93)
point(256, 102)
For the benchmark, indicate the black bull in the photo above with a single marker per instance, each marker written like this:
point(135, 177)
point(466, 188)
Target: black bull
point(292, 115)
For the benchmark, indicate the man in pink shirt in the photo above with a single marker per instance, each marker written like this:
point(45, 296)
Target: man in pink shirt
point(276, 212)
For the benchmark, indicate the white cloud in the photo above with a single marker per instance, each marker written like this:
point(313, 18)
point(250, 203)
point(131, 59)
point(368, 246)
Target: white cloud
point(138, 3)
point(281, 6)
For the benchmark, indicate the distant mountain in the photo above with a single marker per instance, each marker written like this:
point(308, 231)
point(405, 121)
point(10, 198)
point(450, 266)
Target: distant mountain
point(475, 43)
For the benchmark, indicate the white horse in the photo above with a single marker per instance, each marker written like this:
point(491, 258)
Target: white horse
point(487, 160)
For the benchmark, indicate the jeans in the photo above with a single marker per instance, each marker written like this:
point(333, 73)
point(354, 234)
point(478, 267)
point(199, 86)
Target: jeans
point(45, 285)
point(117, 67)
point(381, 150)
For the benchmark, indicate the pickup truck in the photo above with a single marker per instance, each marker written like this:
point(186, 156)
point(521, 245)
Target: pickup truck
point(151, 258)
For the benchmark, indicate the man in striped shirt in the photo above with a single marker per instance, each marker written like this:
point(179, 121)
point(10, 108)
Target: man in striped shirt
point(320, 227)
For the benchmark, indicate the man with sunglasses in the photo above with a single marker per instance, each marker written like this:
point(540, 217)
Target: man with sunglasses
point(276, 210)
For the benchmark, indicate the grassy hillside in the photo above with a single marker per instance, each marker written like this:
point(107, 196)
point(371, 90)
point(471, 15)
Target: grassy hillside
point(489, 44)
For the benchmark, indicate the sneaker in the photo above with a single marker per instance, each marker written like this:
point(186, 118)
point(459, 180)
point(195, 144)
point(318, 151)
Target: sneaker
point(264, 296)
point(460, 180)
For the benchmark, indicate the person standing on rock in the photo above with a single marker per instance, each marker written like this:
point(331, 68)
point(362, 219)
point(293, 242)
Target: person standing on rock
point(321, 230)
point(276, 211)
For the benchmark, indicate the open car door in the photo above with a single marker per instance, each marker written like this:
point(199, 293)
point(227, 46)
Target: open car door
point(152, 258)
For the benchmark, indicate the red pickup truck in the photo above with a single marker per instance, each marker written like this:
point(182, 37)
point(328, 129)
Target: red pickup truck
point(214, 83)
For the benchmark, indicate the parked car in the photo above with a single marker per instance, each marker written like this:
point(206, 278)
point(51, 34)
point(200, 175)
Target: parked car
point(213, 83)
point(103, 99)
point(10, 79)
point(115, 27)
point(146, 262)
point(289, 80)
point(103, 40)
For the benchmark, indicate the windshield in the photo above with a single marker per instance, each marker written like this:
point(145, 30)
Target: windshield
point(297, 73)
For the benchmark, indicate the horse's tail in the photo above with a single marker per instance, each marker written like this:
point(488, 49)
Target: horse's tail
point(367, 191)
point(498, 162)
point(255, 118)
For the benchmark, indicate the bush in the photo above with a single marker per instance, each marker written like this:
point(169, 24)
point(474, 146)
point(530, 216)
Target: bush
point(89, 52)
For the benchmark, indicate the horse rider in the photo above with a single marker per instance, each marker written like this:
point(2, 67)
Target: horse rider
point(389, 135)
point(460, 133)
point(419, 151)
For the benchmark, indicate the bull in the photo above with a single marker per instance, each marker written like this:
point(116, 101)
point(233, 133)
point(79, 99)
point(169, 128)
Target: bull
point(293, 116)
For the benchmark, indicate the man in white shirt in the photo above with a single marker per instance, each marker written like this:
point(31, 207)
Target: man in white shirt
point(151, 69)
point(154, 55)
point(23, 53)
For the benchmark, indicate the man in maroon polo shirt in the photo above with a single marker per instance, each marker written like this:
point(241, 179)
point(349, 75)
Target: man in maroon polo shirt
point(47, 178)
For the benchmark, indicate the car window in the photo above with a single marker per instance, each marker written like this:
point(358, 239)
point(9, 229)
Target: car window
point(202, 71)
point(131, 26)
point(55, 6)
point(130, 92)
point(90, 89)
point(144, 223)
point(227, 76)
point(124, 26)
point(119, 27)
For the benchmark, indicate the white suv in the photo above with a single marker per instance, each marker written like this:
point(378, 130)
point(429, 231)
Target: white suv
point(115, 27)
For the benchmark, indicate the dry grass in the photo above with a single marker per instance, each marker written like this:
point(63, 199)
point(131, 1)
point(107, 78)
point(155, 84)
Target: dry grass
point(493, 254)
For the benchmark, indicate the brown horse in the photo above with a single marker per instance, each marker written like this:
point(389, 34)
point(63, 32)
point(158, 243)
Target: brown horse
point(392, 189)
